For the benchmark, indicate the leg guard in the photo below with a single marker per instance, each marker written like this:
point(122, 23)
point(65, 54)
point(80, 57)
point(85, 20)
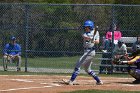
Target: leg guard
point(75, 74)
point(135, 73)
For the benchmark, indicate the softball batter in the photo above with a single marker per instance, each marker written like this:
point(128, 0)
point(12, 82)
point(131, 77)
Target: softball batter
point(90, 37)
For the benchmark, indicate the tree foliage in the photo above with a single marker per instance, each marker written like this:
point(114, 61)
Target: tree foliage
point(58, 27)
point(77, 1)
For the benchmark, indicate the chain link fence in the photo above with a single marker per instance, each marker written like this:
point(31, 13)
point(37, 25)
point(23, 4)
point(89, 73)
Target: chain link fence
point(50, 34)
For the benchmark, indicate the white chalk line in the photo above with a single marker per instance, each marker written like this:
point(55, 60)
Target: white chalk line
point(26, 88)
point(51, 84)
point(128, 85)
point(23, 80)
point(125, 85)
point(43, 83)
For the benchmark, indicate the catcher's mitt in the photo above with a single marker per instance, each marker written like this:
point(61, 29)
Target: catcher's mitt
point(117, 61)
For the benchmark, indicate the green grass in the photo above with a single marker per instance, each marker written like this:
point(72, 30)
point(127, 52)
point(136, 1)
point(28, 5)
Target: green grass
point(56, 62)
point(26, 73)
point(53, 62)
point(102, 91)
point(49, 62)
point(31, 73)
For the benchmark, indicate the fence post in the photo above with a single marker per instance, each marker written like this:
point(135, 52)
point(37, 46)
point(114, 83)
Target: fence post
point(113, 25)
point(26, 25)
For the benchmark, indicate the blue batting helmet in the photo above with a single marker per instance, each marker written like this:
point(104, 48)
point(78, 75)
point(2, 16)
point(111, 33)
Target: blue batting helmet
point(89, 23)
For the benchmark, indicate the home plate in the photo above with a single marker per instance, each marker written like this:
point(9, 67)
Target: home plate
point(55, 84)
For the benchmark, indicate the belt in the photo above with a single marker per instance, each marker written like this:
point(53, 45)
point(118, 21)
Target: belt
point(92, 48)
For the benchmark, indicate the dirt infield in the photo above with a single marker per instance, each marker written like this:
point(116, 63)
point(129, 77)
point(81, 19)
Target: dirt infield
point(54, 84)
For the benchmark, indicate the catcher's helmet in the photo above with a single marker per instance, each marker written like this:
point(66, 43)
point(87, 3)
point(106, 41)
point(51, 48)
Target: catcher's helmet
point(89, 23)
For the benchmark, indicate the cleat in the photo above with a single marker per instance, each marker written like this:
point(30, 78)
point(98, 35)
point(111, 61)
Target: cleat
point(68, 82)
point(99, 83)
point(136, 81)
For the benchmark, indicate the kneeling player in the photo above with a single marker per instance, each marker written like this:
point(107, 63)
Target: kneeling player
point(134, 59)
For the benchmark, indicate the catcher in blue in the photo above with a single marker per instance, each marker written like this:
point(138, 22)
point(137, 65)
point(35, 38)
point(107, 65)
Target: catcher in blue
point(134, 59)
point(12, 53)
point(90, 38)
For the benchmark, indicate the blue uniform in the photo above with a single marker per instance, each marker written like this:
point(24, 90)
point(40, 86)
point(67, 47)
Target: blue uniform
point(91, 36)
point(12, 53)
point(12, 49)
point(87, 57)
